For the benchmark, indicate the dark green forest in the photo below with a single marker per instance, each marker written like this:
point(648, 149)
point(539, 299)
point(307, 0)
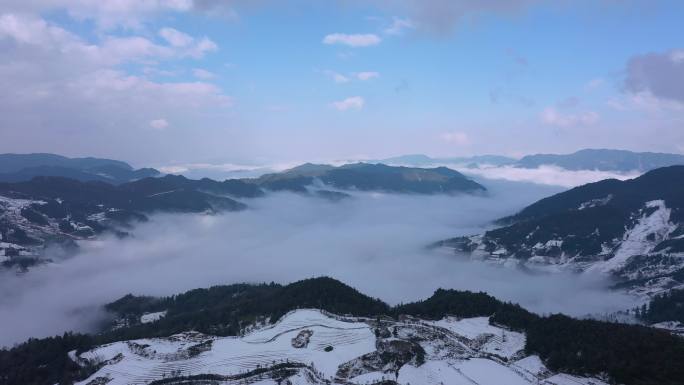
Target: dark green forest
point(628, 354)
point(664, 307)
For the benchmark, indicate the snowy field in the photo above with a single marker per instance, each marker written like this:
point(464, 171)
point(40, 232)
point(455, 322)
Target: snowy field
point(466, 351)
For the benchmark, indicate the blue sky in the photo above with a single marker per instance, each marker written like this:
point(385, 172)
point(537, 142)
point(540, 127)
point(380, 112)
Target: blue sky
point(164, 81)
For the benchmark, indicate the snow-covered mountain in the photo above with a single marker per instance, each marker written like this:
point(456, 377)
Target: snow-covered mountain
point(55, 211)
point(309, 346)
point(632, 230)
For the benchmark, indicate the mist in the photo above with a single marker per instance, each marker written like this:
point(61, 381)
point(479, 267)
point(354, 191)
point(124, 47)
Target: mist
point(546, 174)
point(373, 242)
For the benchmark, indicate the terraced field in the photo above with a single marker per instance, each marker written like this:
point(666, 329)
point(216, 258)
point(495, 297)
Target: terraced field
point(468, 351)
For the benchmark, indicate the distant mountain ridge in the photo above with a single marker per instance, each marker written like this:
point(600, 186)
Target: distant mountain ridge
point(372, 177)
point(55, 209)
point(16, 162)
point(24, 167)
point(422, 160)
point(48, 210)
point(603, 160)
point(587, 159)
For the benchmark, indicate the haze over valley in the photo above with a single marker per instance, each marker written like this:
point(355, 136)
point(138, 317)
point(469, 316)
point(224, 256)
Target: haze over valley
point(407, 192)
point(368, 241)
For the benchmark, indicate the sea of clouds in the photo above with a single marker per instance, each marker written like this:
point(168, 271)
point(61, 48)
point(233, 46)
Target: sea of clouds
point(374, 242)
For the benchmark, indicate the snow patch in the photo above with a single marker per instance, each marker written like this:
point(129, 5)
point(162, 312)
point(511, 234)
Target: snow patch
point(596, 202)
point(649, 230)
point(152, 317)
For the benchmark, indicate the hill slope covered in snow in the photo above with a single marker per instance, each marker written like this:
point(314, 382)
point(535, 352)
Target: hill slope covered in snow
point(288, 333)
point(632, 230)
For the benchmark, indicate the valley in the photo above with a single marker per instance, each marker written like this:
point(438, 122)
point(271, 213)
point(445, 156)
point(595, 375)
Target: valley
point(613, 243)
point(405, 192)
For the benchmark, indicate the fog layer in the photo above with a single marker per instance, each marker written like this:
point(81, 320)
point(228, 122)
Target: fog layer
point(374, 242)
point(548, 175)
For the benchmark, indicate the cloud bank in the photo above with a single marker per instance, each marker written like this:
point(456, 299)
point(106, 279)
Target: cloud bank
point(374, 242)
point(352, 40)
point(350, 103)
point(547, 175)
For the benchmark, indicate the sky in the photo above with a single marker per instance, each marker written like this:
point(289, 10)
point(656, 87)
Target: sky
point(158, 82)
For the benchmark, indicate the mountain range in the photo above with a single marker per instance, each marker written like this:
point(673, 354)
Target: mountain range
point(622, 161)
point(56, 210)
point(321, 331)
point(603, 160)
point(49, 211)
point(421, 160)
point(23, 167)
point(371, 177)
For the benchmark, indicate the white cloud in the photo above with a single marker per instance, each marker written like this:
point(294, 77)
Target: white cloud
point(150, 70)
point(106, 14)
point(367, 75)
point(130, 14)
point(187, 44)
point(159, 124)
point(175, 37)
point(336, 76)
point(456, 137)
point(398, 26)
point(342, 78)
point(203, 74)
point(647, 101)
point(351, 103)
point(85, 85)
point(226, 167)
point(347, 241)
point(553, 117)
point(356, 40)
point(115, 50)
point(119, 88)
point(31, 32)
point(677, 56)
point(203, 46)
point(546, 175)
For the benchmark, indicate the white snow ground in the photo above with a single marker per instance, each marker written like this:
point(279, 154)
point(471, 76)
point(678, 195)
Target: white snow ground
point(636, 240)
point(152, 317)
point(467, 351)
